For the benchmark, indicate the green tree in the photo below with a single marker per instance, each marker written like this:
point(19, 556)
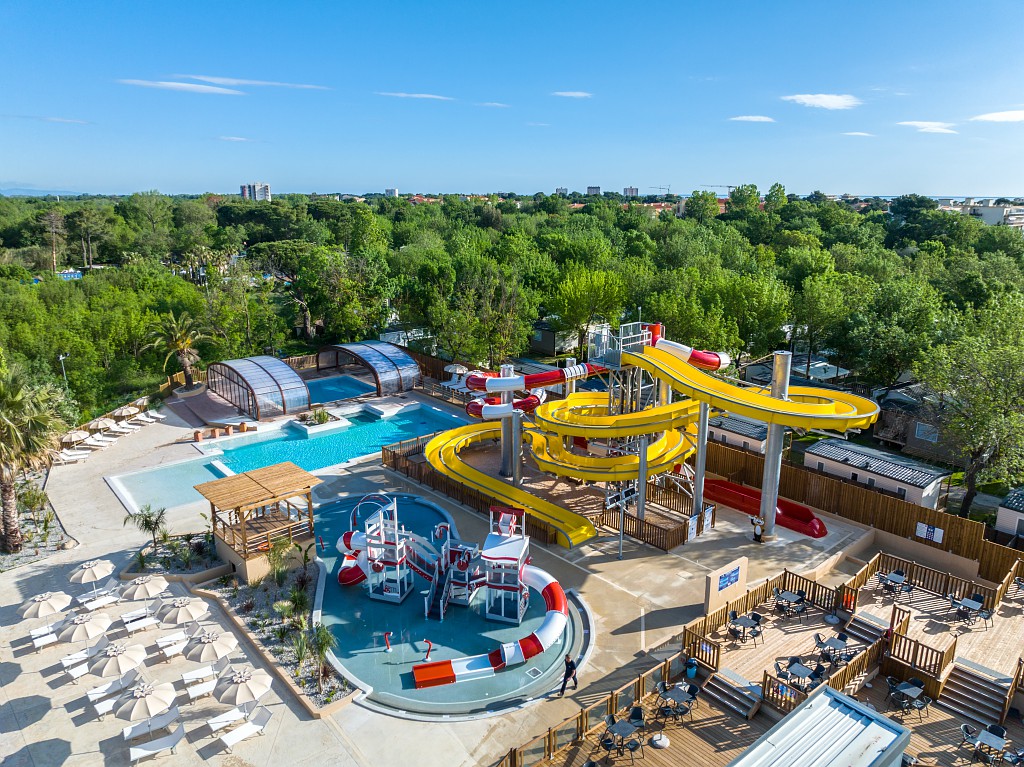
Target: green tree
point(30, 428)
point(701, 206)
point(743, 199)
point(776, 199)
point(583, 296)
point(322, 642)
point(977, 398)
point(179, 337)
point(148, 520)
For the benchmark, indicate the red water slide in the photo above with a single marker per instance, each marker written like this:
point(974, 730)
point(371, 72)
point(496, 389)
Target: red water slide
point(790, 515)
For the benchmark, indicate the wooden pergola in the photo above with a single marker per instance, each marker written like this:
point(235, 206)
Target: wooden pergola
point(252, 510)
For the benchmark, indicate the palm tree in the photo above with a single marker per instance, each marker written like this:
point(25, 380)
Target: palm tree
point(323, 641)
point(148, 520)
point(178, 337)
point(30, 426)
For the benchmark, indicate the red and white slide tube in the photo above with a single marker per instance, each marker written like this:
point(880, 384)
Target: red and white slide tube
point(510, 653)
point(482, 380)
point(699, 359)
point(354, 565)
point(492, 408)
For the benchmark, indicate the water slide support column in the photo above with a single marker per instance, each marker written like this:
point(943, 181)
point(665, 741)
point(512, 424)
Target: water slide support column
point(781, 365)
point(641, 498)
point(570, 386)
point(701, 459)
point(517, 447)
point(507, 398)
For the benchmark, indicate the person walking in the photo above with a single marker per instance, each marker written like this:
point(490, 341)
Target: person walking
point(570, 673)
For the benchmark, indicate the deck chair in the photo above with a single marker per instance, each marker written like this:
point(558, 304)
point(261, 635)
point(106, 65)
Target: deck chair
point(154, 724)
point(154, 747)
point(254, 726)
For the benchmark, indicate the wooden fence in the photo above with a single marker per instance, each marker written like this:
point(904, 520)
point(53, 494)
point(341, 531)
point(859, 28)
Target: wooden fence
point(400, 458)
point(705, 651)
point(937, 582)
point(963, 537)
point(920, 657)
point(850, 677)
point(779, 695)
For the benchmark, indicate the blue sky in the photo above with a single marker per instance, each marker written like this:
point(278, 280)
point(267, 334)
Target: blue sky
point(867, 98)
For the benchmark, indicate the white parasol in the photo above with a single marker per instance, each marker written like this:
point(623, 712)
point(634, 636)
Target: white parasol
point(83, 628)
point(208, 646)
point(74, 437)
point(184, 610)
point(242, 685)
point(101, 424)
point(145, 700)
point(118, 659)
point(92, 571)
point(127, 411)
point(455, 367)
point(44, 605)
point(145, 587)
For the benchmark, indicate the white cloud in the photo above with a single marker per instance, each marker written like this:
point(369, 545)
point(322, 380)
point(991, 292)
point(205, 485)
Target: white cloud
point(825, 100)
point(67, 120)
point(752, 119)
point(857, 133)
point(573, 94)
point(240, 81)
point(929, 126)
point(234, 138)
point(400, 95)
point(188, 87)
point(539, 125)
point(1014, 116)
point(495, 104)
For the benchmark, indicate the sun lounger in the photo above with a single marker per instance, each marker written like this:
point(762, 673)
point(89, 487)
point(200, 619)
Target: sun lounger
point(123, 429)
point(113, 688)
point(94, 444)
point(50, 629)
point(143, 418)
point(154, 747)
point(93, 594)
point(44, 641)
point(141, 624)
point(77, 657)
point(143, 612)
point(103, 601)
point(156, 415)
point(254, 726)
point(232, 717)
point(156, 723)
point(68, 456)
point(201, 690)
point(77, 672)
point(104, 438)
point(178, 636)
point(205, 672)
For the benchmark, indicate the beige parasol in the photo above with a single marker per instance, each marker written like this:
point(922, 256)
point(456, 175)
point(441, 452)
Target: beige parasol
point(101, 424)
point(242, 685)
point(83, 628)
point(118, 659)
point(184, 610)
point(145, 587)
point(92, 571)
point(208, 646)
point(145, 700)
point(44, 605)
point(126, 411)
point(74, 437)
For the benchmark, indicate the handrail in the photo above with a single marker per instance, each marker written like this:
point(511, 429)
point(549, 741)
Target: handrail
point(779, 695)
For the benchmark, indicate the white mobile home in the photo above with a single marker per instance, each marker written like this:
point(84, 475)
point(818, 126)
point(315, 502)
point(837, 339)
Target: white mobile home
point(739, 432)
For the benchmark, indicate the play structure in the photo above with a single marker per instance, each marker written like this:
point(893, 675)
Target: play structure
point(386, 556)
point(653, 417)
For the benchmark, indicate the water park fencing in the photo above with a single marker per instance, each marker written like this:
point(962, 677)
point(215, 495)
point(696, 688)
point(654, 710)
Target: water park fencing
point(592, 718)
point(866, 506)
point(402, 457)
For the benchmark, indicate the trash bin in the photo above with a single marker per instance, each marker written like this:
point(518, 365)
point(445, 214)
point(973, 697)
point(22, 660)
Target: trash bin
point(691, 668)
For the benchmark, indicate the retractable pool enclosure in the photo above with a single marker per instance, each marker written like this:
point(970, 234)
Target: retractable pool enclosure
point(261, 387)
point(392, 368)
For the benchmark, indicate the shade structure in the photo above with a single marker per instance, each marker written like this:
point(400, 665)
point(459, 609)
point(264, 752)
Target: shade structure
point(260, 387)
point(83, 628)
point(118, 659)
point(145, 700)
point(91, 571)
point(44, 605)
point(126, 411)
point(243, 685)
point(208, 646)
point(455, 367)
point(101, 424)
point(74, 437)
point(145, 587)
point(184, 610)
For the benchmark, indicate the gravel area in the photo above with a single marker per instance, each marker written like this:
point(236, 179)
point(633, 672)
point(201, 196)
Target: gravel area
point(43, 533)
point(259, 604)
point(177, 555)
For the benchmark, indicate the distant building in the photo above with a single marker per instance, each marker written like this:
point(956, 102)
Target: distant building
point(987, 211)
point(594, 191)
point(819, 371)
point(258, 192)
point(913, 481)
point(1010, 514)
point(391, 192)
point(630, 191)
point(738, 431)
point(562, 190)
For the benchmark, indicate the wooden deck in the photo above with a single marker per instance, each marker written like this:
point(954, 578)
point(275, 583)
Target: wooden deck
point(783, 637)
point(996, 645)
point(713, 738)
point(262, 530)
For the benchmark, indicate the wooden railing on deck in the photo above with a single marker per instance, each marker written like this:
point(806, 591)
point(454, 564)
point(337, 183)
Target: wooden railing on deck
point(779, 695)
point(936, 581)
point(920, 656)
point(706, 651)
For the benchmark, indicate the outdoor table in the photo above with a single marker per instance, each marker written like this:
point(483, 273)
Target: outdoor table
point(991, 742)
point(835, 643)
point(899, 580)
point(800, 671)
point(744, 622)
point(789, 596)
point(622, 729)
point(678, 695)
point(909, 691)
point(972, 608)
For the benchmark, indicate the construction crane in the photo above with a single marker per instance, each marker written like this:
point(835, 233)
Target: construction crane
point(730, 187)
point(664, 189)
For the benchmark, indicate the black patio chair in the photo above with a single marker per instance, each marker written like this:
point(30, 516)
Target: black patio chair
point(665, 711)
point(793, 660)
point(908, 589)
point(608, 744)
point(818, 672)
point(899, 573)
point(920, 705)
point(843, 637)
point(633, 746)
point(954, 603)
point(733, 615)
point(997, 729)
point(756, 632)
point(968, 736)
point(693, 690)
point(985, 615)
point(977, 598)
point(735, 633)
point(889, 588)
point(781, 673)
point(916, 682)
point(829, 656)
point(802, 594)
point(819, 640)
point(636, 717)
point(800, 610)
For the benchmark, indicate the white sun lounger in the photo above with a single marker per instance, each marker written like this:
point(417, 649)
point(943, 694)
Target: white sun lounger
point(94, 594)
point(105, 601)
point(143, 418)
point(44, 641)
point(104, 438)
point(178, 636)
point(94, 444)
point(50, 629)
point(114, 687)
point(201, 690)
point(144, 612)
point(140, 625)
point(156, 415)
point(232, 717)
point(254, 726)
point(122, 429)
point(205, 672)
point(77, 672)
point(77, 657)
point(71, 456)
point(153, 724)
point(154, 747)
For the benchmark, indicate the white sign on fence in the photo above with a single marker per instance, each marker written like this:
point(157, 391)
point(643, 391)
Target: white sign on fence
point(929, 532)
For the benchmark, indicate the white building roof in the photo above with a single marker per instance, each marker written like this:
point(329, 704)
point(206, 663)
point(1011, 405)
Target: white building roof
point(828, 729)
point(879, 462)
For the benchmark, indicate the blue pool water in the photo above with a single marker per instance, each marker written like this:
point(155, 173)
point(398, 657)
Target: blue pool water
point(359, 623)
point(336, 388)
point(172, 485)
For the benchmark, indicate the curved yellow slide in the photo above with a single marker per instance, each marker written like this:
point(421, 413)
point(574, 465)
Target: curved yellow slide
point(443, 454)
point(808, 407)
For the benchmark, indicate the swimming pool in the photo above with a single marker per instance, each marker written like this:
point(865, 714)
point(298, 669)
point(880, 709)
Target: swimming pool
point(336, 388)
point(172, 485)
point(359, 623)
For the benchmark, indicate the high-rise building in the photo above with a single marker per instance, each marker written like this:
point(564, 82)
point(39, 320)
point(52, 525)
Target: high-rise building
point(594, 191)
point(562, 190)
point(630, 191)
point(257, 191)
point(391, 192)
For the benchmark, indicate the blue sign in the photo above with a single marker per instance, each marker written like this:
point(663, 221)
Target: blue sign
point(731, 578)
